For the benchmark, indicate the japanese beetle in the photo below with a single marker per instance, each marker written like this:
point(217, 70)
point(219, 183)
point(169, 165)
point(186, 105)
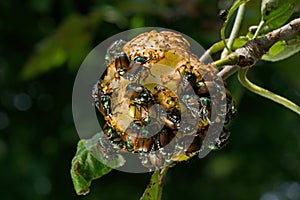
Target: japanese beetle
point(137, 66)
point(138, 93)
point(122, 63)
point(156, 108)
point(205, 107)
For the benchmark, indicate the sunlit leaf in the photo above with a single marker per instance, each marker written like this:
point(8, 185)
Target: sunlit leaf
point(219, 46)
point(275, 13)
point(282, 50)
point(86, 166)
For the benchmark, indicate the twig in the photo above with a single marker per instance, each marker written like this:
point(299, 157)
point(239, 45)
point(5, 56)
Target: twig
point(235, 29)
point(253, 50)
point(233, 35)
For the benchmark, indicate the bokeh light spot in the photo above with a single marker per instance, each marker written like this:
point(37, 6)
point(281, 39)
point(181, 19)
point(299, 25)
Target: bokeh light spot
point(269, 196)
point(293, 191)
point(22, 102)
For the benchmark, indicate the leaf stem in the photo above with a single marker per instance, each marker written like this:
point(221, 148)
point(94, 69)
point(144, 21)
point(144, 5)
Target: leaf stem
point(231, 59)
point(235, 29)
point(155, 187)
point(259, 27)
point(230, 69)
point(162, 176)
point(242, 75)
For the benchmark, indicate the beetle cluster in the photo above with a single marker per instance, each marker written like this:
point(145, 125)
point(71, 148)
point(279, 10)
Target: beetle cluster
point(156, 121)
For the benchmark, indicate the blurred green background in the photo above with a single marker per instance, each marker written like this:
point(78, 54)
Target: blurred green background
point(42, 44)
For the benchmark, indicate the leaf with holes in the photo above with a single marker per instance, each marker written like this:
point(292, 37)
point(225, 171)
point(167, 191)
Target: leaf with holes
point(276, 12)
point(86, 168)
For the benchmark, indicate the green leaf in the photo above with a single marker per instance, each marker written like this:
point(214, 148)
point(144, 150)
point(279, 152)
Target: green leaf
point(282, 50)
point(85, 168)
point(219, 46)
point(86, 165)
point(275, 13)
point(155, 187)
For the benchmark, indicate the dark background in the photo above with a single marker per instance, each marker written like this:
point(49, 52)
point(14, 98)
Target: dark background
point(42, 44)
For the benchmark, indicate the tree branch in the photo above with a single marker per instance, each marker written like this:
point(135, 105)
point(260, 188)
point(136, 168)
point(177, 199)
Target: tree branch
point(253, 50)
